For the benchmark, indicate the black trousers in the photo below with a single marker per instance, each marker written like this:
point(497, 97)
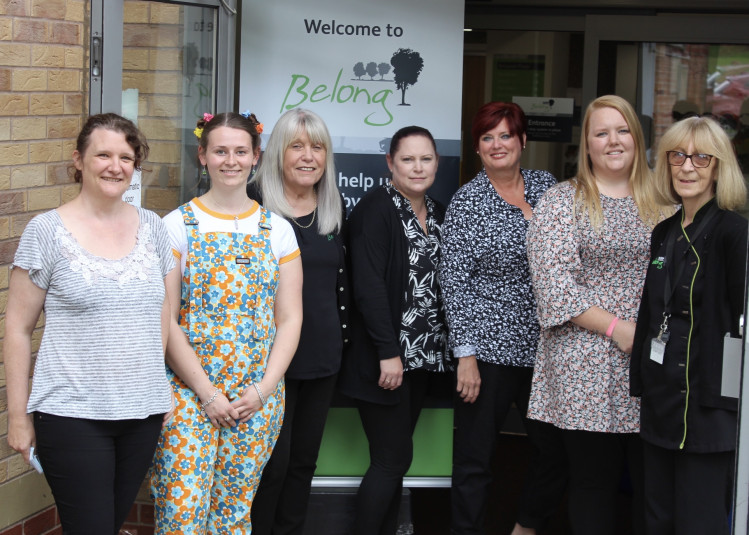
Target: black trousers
point(687, 493)
point(389, 430)
point(280, 505)
point(94, 468)
point(597, 462)
point(477, 426)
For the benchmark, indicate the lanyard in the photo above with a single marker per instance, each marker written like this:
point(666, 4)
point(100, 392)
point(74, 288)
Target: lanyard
point(668, 288)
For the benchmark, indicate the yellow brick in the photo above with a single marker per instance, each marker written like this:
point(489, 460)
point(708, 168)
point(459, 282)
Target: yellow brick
point(44, 198)
point(17, 466)
point(15, 54)
point(4, 129)
point(48, 9)
point(14, 153)
point(28, 128)
point(36, 336)
point(135, 59)
point(3, 471)
point(14, 104)
point(73, 104)
point(6, 27)
point(135, 12)
point(60, 173)
point(76, 11)
point(68, 146)
point(58, 127)
point(74, 57)
point(161, 106)
point(70, 192)
point(46, 104)
point(45, 151)
point(165, 152)
point(165, 60)
point(48, 56)
point(165, 14)
point(4, 177)
point(4, 235)
point(27, 176)
point(3, 416)
point(18, 222)
point(68, 80)
point(161, 199)
point(156, 129)
point(29, 80)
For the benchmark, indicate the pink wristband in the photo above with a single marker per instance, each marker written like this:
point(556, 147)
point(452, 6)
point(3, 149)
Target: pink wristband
point(610, 330)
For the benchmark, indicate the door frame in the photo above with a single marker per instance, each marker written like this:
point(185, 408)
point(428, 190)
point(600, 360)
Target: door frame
point(106, 35)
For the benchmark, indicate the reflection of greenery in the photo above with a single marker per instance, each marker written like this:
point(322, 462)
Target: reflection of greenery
point(200, 107)
point(721, 56)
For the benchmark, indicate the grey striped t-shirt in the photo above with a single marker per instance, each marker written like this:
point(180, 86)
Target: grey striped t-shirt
point(101, 355)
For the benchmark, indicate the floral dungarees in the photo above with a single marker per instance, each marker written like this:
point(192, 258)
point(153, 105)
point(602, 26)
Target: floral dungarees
point(204, 478)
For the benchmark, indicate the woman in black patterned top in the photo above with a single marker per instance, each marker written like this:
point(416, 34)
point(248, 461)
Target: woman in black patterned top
point(398, 337)
point(494, 330)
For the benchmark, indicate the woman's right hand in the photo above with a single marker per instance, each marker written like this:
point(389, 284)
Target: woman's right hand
point(220, 412)
point(469, 379)
point(624, 335)
point(21, 434)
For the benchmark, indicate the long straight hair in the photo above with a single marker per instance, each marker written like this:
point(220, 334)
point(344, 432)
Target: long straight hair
point(269, 177)
point(641, 180)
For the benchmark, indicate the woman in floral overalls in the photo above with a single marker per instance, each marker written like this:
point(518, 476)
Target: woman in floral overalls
point(240, 315)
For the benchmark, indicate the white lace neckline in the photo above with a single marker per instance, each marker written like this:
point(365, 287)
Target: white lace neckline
point(137, 264)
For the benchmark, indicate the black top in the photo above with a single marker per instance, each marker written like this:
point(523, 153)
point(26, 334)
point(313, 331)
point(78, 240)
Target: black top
point(378, 252)
point(324, 299)
point(707, 301)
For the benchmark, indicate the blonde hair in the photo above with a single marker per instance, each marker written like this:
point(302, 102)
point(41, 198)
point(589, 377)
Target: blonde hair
point(587, 195)
point(269, 177)
point(707, 137)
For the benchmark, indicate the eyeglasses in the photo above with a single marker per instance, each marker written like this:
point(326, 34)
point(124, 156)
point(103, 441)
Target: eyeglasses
point(698, 160)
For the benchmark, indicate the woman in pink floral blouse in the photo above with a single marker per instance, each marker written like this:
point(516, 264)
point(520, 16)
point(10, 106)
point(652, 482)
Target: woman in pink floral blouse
point(588, 252)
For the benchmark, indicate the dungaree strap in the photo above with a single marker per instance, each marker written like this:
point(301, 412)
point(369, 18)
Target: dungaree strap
point(194, 293)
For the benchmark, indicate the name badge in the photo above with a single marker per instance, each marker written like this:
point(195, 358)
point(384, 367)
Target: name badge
point(657, 350)
point(240, 260)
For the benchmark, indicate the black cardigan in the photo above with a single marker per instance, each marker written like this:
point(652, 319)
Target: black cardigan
point(378, 252)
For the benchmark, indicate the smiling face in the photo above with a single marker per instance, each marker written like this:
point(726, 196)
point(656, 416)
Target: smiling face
point(228, 156)
point(303, 162)
point(694, 185)
point(413, 166)
point(499, 149)
point(611, 146)
point(106, 164)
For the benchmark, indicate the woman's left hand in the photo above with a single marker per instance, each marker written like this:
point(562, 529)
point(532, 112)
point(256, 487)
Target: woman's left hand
point(248, 404)
point(391, 373)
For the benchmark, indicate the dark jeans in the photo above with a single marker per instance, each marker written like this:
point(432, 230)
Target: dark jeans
point(477, 426)
point(280, 505)
point(687, 493)
point(597, 462)
point(389, 430)
point(94, 468)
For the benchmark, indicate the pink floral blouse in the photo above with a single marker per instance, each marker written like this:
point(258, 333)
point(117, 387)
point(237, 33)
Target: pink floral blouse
point(581, 378)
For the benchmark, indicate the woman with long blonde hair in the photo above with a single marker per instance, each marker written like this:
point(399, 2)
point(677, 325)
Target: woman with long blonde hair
point(588, 251)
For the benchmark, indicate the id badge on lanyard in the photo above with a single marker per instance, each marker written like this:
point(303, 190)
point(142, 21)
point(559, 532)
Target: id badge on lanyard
point(658, 344)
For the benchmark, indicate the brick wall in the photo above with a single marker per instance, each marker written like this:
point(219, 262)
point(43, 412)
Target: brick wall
point(42, 60)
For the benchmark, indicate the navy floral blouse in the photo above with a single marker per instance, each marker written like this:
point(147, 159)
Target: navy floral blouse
point(484, 274)
point(423, 335)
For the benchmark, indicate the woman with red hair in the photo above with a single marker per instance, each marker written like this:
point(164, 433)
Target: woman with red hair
point(491, 314)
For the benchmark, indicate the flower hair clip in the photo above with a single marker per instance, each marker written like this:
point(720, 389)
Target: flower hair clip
point(247, 114)
point(201, 124)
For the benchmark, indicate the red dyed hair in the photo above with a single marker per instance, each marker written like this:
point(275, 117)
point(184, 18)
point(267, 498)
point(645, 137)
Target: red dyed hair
point(492, 113)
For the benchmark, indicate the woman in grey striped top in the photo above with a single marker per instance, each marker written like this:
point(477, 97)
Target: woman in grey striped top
point(96, 266)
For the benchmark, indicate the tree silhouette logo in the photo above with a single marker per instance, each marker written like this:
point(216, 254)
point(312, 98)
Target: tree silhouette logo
point(407, 64)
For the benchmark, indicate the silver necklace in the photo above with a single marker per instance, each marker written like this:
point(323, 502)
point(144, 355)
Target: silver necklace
point(224, 210)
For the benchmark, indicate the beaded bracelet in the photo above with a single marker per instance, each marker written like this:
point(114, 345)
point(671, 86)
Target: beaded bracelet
point(259, 394)
point(211, 400)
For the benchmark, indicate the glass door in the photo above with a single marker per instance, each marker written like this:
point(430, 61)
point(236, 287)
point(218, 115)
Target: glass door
point(162, 65)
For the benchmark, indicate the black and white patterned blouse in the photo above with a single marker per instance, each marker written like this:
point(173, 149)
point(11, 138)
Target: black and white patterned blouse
point(484, 275)
point(423, 335)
